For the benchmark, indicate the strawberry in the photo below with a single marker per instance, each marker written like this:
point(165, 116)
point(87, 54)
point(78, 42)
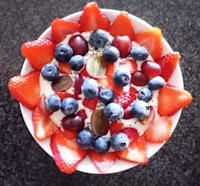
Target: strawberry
point(26, 89)
point(122, 26)
point(151, 39)
point(78, 84)
point(38, 52)
point(90, 103)
point(64, 94)
point(43, 126)
point(128, 64)
point(82, 113)
point(42, 106)
point(60, 28)
point(66, 152)
point(103, 162)
point(126, 98)
point(64, 68)
point(116, 127)
point(168, 64)
point(136, 151)
point(159, 131)
point(172, 99)
point(92, 18)
point(131, 132)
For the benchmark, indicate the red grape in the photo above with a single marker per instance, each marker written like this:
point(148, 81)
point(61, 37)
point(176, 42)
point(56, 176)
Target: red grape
point(150, 68)
point(138, 78)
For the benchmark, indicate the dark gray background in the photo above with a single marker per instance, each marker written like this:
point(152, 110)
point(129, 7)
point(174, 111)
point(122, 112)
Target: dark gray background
point(24, 163)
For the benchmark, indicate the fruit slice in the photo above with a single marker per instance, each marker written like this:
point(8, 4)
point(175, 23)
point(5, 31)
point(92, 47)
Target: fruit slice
point(92, 18)
point(160, 130)
point(26, 89)
point(42, 125)
point(151, 39)
point(122, 26)
point(132, 133)
point(66, 152)
point(136, 151)
point(64, 68)
point(128, 64)
point(38, 52)
point(60, 28)
point(116, 127)
point(150, 118)
point(90, 103)
point(172, 99)
point(168, 64)
point(103, 162)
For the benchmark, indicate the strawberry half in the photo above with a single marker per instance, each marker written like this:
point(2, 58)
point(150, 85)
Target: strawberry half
point(38, 52)
point(103, 162)
point(90, 103)
point(168, 64)
point(159, 131)
point(122, 26)
point(26, 89)
point(92, 18)
point(116, 127)
point(60, 28)
point(66, 152)
point(172, 99)
point(64, 68)
point(151, 39)
point(43, 126)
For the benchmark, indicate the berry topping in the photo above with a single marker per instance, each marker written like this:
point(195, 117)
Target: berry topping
point(122, 77)
point(78, 84)
point(129, 64)
point(140, 109)
point(113, 112)
point(138, 78)
point(119, 141)
point(98, 38)
point(110, 54)
point(63, 52)
point(116, 127)
point(90, 88)
point(106, 95)
point(131, 133)
point(156, 83)
point(139, 53)
point(128, 114)
point(150, 118)
point(50, 72)
point(53, 102)
point(144, 94)
point(101, 144)
point(76, 62)
point(150, 68)
point(69, 105)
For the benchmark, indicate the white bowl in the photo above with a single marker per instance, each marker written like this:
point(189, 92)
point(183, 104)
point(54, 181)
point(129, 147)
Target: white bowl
point(86, 165)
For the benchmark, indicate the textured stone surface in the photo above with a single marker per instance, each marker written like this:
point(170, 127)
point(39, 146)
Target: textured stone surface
point(23, 162)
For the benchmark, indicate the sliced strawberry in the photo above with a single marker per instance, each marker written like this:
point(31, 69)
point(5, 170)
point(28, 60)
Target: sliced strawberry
point(136, 151)
point(38, 52)
point(132, 133)
point(70, 134)
point(60, 28)
point(126, 98)
point(128, 64)
point(151, 39)
point(116, 127)
point(159, 131)
point(172, 99)
point(122, 26)
point(43, 126)
point(90, 103)
point(66, 152)
point(42, 106)
point(82, 113)
point(92, 18)
point(168, 64)
point(64, 94)
point(26, 89)
point(64, 68)
point(103, 162)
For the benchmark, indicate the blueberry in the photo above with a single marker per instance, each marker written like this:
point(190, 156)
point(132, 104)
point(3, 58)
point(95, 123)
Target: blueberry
point(106, 95)
point(113, 112)
point(121, 77)
point(98, 38)
point(102, 144)
point(139, 53)
point(50, 72)
point(85, 139)
point(156, 83)
point(63, 53)
point(140, 109)
point(144, 94)
point(69, 106)
point(110, 54)
point(53, 102)
point(90, 88)
point(76, 62)
point(119, 141)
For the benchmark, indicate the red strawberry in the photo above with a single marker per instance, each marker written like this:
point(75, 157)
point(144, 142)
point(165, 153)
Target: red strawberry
point(131, 132)
point(66, 152)
point(64, 94)
point(116, 127)
point(26, 89)
point(64, 68)
point(92, 18)
point(128, 64)
point(168, 64)
point(103, 162)
point(42, 106)
point(82, 113)
point(151, 39)
point(38, 52)
point(90, 103)
point(136, 151)
point(172, 99)
point(122, 26)
point(43, 126)
point(60, 28)
point(159, 131)
point(126, 98)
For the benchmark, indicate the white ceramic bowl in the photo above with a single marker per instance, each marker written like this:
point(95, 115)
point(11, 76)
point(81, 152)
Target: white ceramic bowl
point(86, 165)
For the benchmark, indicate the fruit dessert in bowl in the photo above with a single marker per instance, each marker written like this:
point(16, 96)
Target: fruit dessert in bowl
point(101, 90)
